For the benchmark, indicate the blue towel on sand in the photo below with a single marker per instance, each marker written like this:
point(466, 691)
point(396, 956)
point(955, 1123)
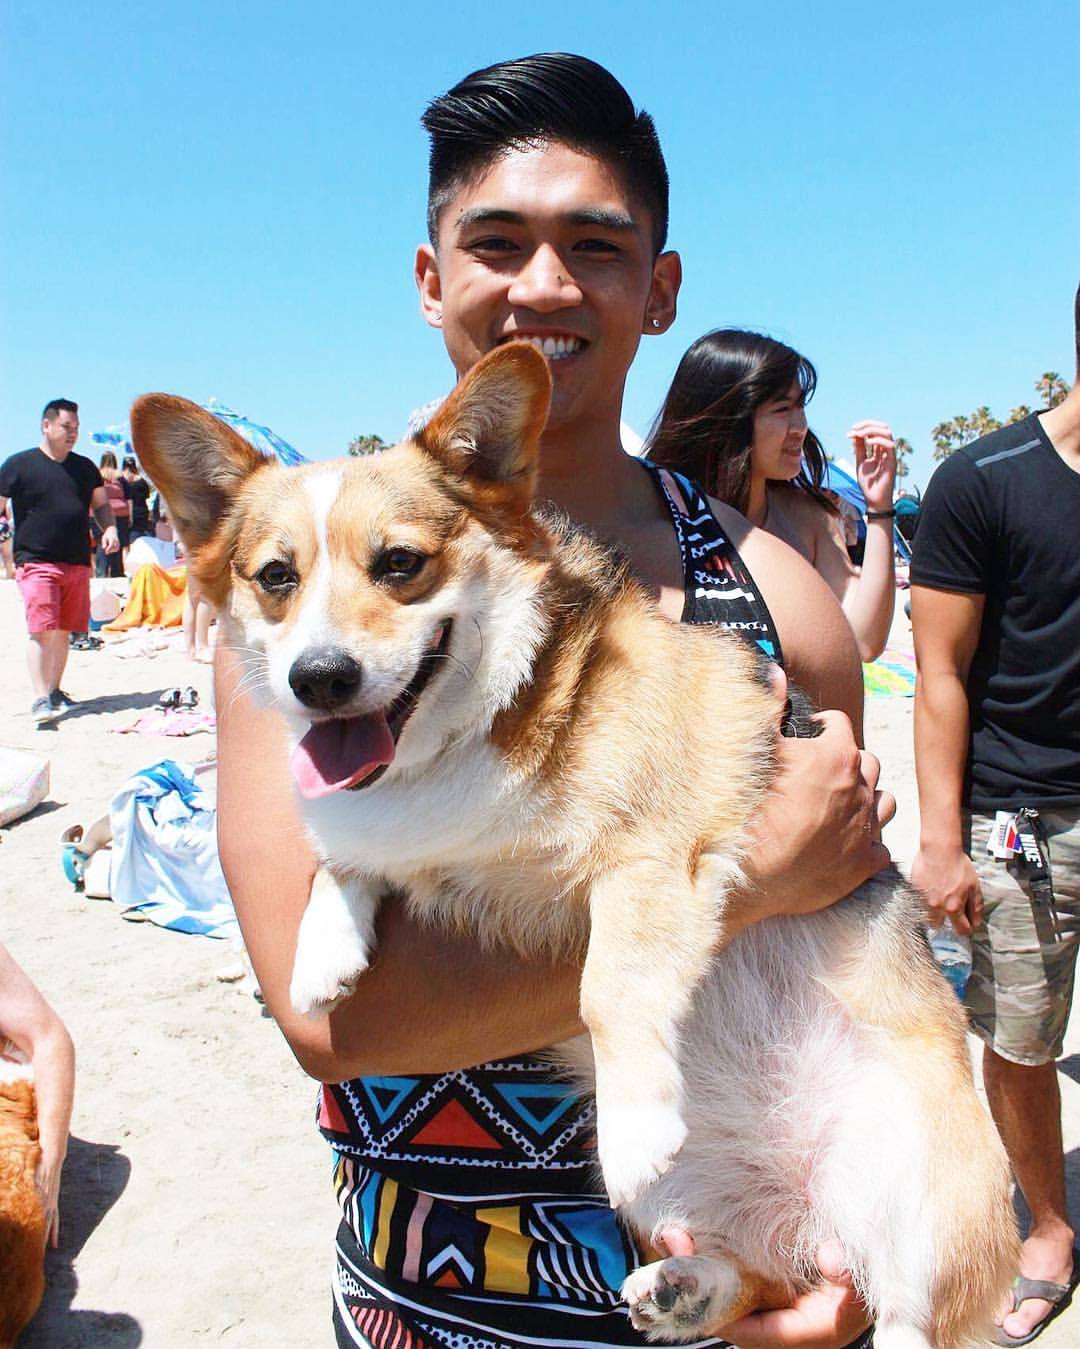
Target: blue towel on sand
point(165, 859)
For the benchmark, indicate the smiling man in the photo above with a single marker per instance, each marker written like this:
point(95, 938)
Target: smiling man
point(465, 1171)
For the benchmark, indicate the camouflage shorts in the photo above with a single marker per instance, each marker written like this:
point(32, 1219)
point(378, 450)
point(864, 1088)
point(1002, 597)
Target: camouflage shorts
point(1021, 984)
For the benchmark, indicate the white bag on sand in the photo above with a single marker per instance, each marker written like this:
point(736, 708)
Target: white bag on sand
point(104, 604)
point(24, 783)
point(145, 549)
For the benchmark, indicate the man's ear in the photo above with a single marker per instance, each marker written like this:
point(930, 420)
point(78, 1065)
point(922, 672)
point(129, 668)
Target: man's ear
point(429, 284)
point(490, 426)
point(660, 309)
point(196, 462)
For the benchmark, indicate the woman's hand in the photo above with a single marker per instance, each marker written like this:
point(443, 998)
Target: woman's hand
point(875, 463)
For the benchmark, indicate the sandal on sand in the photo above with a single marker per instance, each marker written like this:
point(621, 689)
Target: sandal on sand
point(1059, 1295)
point(189, 698)
point(170, 698)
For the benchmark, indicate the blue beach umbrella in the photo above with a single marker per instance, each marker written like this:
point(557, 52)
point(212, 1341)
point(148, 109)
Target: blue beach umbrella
point(114, 438)
point(844, 485)
point(261, 437)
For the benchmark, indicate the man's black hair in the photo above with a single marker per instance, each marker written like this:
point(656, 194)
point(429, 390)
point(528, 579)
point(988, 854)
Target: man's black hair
point(55, 406)
point(549, 97)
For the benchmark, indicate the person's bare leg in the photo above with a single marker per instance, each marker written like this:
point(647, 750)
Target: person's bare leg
point(39, 663)
point(1026, 1105)
point(60, 650)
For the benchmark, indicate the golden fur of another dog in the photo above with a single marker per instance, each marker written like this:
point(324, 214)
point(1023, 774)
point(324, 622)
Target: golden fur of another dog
point(22, 1216)
point(537, 755)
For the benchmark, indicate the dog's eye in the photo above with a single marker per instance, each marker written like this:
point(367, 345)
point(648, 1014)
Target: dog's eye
point(276, 578)
point(400, 563)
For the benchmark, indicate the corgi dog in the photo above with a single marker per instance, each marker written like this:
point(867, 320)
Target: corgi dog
point(22, 1214)
point(491, 718)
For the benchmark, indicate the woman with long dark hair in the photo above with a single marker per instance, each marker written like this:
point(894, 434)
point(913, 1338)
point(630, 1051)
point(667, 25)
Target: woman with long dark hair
point(734, 420)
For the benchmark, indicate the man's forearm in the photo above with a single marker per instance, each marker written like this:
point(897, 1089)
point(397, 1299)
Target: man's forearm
point(103, 516)
point(942, 725)
point(54, 1084)
point(430, 1002)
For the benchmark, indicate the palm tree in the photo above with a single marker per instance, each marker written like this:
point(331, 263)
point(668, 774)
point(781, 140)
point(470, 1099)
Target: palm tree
point(367, 445)
point(1051, 388)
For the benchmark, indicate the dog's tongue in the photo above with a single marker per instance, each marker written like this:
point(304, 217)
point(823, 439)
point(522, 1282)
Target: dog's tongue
point(340, 753)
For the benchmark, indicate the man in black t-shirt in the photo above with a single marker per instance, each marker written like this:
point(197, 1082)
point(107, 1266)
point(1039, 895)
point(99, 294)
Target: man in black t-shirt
point(50, 490)
point(996, 612)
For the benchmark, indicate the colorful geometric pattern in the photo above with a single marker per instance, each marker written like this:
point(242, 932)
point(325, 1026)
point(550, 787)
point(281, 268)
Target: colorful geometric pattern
point(470, 1208)
point(719, 587)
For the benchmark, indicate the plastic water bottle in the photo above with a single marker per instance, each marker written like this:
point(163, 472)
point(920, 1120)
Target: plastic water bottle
point(953, 955)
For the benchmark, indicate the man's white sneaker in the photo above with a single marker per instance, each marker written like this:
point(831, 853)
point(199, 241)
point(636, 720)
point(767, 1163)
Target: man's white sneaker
point(43, 711)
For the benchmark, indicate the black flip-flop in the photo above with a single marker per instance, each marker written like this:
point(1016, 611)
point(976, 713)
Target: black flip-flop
point(1059, 1295)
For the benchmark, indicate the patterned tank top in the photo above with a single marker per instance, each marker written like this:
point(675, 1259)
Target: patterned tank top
point(472, 1217)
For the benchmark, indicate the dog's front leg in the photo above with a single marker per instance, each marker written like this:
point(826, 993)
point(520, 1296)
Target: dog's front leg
point(651, 937)
point(335, 942)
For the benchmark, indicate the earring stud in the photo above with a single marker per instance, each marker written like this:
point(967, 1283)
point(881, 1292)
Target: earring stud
point(656, 323)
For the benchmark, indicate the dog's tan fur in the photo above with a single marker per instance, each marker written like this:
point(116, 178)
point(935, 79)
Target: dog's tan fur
point(608, 779)
point(22, 1216)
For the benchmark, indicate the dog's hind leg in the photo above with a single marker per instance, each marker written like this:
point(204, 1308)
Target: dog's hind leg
point(334, 944)
point(690, 1297)
point(650, 942)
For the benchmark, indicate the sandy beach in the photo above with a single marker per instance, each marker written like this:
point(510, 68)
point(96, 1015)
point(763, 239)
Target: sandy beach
point(196, 1206)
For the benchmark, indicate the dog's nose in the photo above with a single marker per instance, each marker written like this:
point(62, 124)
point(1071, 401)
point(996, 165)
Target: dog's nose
point(325, 679)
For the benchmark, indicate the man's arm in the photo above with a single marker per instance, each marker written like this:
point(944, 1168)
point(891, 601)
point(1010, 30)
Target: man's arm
point(946, 625)
point(818, 832)
point(30, 1023)
point(431, 1002)
point(105, 520)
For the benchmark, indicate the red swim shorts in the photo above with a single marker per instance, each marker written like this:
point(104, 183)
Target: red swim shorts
point(56, 595)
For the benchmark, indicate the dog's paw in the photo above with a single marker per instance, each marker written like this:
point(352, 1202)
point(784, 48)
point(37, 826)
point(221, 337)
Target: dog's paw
point(322, 978)
point(636, 1143)
point(681, 1298)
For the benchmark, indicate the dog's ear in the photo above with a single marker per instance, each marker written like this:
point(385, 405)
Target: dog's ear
point(196, 462)
point(489, 428)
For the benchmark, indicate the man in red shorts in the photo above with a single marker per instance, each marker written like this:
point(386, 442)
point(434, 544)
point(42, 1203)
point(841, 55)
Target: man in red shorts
point(50, 490)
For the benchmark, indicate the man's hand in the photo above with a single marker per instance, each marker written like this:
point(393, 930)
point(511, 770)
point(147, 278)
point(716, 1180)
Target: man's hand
point(827, 1317)
point(950, 885)
point(110, 540)
point(817, 834)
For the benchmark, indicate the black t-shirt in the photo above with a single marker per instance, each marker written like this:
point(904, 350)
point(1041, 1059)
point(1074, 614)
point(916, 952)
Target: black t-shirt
point(49, 501)
point(1001, 518)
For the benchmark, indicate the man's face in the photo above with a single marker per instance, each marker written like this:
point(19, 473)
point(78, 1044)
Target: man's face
point(547, 245)
point(62, 432)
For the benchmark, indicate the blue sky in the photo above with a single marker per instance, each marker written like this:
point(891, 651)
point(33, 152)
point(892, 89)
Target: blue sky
point(224, 199)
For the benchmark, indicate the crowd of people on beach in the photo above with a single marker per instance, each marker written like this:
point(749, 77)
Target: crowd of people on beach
point(548, 200)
